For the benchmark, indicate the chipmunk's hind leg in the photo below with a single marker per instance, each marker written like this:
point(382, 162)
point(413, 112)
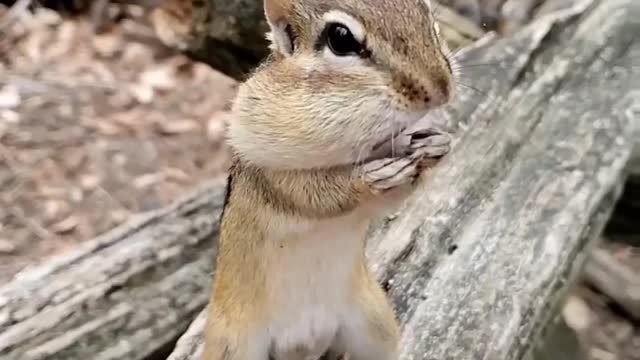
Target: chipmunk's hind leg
point(332, 354)
point(372, 332)
point(230, 344)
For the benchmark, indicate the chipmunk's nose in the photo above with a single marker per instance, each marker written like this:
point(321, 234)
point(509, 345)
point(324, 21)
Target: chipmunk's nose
point(438, 91)
point(427, 93)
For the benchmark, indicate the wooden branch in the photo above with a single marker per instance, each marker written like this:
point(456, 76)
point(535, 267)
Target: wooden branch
point(474, 262)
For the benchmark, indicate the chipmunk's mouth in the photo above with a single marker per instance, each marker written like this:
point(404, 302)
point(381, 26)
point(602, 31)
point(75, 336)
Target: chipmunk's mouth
point(391, 138)
point(400, 122)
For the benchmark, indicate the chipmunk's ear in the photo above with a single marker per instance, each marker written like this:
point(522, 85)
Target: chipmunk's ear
point(282, 36)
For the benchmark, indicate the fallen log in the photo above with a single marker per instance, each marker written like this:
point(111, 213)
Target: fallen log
point(475, 262)
point(125, 295)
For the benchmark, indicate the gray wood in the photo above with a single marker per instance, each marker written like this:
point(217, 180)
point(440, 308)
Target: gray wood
point(125, 295)
point(473, 262)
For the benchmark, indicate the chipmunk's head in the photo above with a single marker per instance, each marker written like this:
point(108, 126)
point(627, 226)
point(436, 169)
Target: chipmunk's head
point(343, 77)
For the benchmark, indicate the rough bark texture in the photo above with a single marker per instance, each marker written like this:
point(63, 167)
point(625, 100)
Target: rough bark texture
point(126, 295)
point(475, 262)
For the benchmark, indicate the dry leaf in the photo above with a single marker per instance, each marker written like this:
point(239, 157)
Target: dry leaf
point(107, 127)
point(9, 97)
point(90, 181)
point(121, 100)
point(107, 45)
point(177, 175)
point(6, 247)
point(142, 93)
point(132, 120)
point(160, 77)
point(74, 160)
point(54, 208)
point(104, 75)
point(120, 159)
point(9, 116)
point(50, 191)
point(76, 194)
point(136, 54)
point(147, 180)
point(65, 226)
point(47, 17)
point(119, 216)
point(66, 34)
point(32, 46)
point(178, 126)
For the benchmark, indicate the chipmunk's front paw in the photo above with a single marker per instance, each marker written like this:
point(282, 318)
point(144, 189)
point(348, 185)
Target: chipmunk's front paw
point(429, 145)
point(425, 149)
point(385, 174)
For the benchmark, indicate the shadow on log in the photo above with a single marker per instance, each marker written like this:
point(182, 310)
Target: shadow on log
point(475, 262)
point(228, 35)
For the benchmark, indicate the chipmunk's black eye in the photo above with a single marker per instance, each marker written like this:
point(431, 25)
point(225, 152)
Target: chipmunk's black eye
point(341, 41)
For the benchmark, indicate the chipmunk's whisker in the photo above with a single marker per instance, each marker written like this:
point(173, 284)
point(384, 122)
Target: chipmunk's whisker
point(393, 146)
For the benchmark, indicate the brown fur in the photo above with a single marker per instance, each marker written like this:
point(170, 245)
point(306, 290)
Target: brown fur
point(239, 293)
point(304, 127)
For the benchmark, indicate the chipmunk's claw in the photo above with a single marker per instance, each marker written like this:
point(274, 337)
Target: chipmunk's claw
point(430, 146)
point(334, 356)
point(433, 143)
point(389, 173)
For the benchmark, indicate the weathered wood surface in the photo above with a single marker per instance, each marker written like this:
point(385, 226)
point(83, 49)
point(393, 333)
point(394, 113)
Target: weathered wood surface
point(473, 263)
point(126, 295)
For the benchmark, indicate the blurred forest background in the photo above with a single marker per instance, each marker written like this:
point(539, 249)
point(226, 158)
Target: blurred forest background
point(102, 117)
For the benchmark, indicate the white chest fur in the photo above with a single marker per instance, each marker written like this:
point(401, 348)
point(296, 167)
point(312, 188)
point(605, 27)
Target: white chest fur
point(313, 271)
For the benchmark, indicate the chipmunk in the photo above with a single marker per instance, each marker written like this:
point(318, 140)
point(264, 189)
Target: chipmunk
point(315, 136)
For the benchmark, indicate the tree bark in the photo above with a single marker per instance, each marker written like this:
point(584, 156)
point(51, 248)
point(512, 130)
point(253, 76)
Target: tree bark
point(125, 295)
point(475, 262)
